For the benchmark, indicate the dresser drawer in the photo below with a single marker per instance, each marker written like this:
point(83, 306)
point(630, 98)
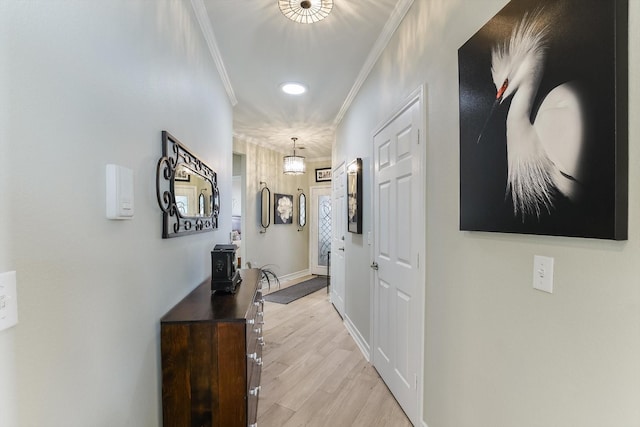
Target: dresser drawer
point(252, 409)
point(208, 378)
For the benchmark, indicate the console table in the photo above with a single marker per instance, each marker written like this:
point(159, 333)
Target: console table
point(211, 347)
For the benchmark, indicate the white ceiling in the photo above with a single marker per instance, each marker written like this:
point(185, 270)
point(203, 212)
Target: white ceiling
point(257, 49)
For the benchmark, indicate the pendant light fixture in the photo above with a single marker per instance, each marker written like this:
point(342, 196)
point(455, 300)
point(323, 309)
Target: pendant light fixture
point(293, 165)
point(306, 11)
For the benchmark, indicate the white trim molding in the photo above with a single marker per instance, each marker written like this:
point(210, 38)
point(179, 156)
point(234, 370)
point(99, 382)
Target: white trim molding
point(293, 276)
point(389, 29)
point(205, 25)
point(358, 338)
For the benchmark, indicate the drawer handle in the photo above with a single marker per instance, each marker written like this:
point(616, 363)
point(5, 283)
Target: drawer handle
point(253, 425)
point(251, 321)
point(252, 356)
point(261, 322)
point(259, 361)
point(254, 391)
point(258, 331)
point(261, 341)
point(261, 313)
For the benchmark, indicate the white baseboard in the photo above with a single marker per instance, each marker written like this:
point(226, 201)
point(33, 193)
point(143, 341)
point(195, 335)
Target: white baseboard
point(294, 276)
point(358, 338)
point(364, 347)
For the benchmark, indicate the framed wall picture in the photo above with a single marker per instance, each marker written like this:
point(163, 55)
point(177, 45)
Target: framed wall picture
point(323, 174)
point(282, 208)
point(543, 120)
point(354, 196)
point(182, 175)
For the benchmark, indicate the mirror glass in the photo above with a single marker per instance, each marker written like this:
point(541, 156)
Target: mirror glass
point(302, 210)
point(265, 208)
point(193, 193)
point(187, 191)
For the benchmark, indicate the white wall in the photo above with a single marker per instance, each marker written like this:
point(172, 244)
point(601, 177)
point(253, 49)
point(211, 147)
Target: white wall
point(8, 401)
point(86, 84)
point(499, 353)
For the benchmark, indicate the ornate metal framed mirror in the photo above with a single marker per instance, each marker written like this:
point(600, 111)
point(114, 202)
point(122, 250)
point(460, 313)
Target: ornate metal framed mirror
point(302, 210)
point(187, 191)
point(265, 207)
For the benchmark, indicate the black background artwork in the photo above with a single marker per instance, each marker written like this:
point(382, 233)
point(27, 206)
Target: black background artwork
point(587, 46)
point(282, 208)
point(354, 196)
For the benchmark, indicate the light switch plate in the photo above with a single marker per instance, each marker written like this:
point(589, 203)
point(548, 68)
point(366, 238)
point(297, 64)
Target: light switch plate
point(543, 273)
point(119, 192)
point(8, 300)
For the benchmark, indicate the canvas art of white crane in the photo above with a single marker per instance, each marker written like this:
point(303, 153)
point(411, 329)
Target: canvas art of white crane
point(543, 157)
point(542, 120)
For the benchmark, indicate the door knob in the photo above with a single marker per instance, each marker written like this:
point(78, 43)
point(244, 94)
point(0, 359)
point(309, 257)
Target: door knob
point(374, 265)
point(341, 249)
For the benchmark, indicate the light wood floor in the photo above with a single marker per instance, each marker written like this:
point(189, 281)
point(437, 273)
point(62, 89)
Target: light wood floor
point(315, 375)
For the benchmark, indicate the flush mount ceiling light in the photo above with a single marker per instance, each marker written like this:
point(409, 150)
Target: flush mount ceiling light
point(293, 88)
point(306, 11)
point(293, 165)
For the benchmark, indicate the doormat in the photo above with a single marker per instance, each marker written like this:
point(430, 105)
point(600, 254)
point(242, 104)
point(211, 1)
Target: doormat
point(294, 292)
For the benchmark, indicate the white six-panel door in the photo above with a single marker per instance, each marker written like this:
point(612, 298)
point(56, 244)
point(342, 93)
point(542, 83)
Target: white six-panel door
point(339, 229)
point(398, 239)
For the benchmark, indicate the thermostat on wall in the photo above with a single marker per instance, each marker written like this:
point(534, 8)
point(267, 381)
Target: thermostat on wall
point(119, 192)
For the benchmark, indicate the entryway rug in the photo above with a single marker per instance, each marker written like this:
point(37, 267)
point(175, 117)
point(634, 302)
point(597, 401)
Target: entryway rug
point(294, 292)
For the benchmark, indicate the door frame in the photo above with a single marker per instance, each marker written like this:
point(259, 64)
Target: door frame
point(418, 95)
point(314, 221)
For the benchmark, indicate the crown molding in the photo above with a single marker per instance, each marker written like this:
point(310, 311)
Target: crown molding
point(319, 159)
point(205, 25)
point(263, 143)
point(389, 29)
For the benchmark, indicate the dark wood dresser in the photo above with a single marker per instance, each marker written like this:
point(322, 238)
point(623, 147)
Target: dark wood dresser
point(211, 349)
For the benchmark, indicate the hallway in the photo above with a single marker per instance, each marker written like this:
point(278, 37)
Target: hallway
point(315, 375)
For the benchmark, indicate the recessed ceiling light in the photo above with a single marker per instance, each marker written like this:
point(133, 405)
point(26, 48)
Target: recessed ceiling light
point(293, 88)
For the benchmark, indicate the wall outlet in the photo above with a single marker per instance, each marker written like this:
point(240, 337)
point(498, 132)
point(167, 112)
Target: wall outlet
point(543, 273)
point(8, 300)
